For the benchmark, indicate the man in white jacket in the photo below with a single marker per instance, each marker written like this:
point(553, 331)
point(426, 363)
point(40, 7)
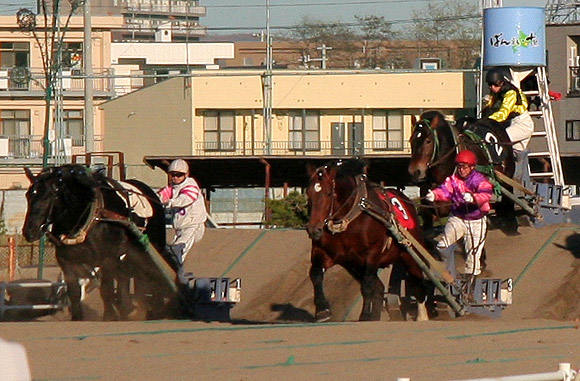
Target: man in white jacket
point(185, 200)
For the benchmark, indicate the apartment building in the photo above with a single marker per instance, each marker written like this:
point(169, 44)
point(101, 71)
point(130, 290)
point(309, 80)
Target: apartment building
point(23, 94)
point(218, 115)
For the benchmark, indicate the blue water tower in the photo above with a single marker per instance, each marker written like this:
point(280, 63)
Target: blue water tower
point(514, 36)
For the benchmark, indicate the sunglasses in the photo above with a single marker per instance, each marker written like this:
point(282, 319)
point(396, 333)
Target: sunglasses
point(176, 174)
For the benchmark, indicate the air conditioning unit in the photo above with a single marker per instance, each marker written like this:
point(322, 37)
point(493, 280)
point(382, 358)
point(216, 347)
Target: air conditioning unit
point(4, 147)
point(66, 80)
point(3, 79)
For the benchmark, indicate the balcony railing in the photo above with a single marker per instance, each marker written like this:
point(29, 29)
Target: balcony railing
point(180, 9)
point(288, 148)
point(32, 79)
point(191, 28)
point(32, 146)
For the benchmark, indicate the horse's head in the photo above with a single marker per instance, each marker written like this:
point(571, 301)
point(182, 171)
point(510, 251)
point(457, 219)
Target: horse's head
point(328, 188)
point(321, 194)
point(51, 193)
point(424, 145)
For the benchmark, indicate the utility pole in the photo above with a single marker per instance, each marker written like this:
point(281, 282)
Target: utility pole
point(323, 58)
point(484, 5)
point(267, 107)
point(88, 69)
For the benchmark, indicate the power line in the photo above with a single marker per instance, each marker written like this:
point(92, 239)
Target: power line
point(352, 3)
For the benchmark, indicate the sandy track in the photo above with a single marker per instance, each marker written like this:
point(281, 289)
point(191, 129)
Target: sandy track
point(533, 335)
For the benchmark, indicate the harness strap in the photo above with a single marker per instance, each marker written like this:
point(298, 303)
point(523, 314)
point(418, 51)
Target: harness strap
point(97, 213)
point(361, 194)
point(81, 234)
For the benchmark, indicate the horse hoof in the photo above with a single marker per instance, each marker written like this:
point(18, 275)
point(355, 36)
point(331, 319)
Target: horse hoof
point(323, 316)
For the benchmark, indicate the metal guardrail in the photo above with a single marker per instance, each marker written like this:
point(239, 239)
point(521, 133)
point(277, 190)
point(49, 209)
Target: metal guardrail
point(564, 373)
point(54, 301)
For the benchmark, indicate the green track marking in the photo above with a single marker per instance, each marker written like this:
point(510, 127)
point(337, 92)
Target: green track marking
point(243, 254)
point(542, 249)
point(511, 332)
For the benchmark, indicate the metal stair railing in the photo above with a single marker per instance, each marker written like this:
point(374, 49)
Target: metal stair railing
point(548, 132)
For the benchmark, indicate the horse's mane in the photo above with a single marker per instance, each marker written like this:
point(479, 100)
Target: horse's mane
point(467, 122)
point(432, 114)
point(350, 168)
point(72, 180)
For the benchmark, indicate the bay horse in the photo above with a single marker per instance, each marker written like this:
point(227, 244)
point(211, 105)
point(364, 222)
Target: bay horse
point(434, 145)
point(86, 215)
point(345, 233)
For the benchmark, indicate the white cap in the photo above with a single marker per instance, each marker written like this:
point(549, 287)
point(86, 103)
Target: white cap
point(178, 165)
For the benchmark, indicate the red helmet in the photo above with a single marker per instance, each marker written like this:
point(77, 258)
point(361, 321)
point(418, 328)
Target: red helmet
point(466, 157)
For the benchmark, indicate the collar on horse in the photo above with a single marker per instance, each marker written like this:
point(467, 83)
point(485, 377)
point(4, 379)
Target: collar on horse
point(97, 212)
point(360, 194)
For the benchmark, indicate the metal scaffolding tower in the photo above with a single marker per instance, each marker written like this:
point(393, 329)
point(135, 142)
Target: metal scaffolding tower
point(562, 11)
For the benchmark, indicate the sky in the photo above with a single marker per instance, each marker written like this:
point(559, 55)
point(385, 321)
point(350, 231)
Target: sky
point(249, 16)
point(237, 14)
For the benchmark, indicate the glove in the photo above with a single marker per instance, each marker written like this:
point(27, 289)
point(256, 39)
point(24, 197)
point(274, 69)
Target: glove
point(468, 197)
point(430, 196)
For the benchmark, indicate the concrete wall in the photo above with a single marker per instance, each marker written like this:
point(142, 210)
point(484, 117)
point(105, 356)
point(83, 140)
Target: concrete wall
point(152, 121)
point(560, 38)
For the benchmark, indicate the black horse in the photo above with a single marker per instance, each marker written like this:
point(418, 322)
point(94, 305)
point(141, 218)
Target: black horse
point(434, 145)
point(88, 217)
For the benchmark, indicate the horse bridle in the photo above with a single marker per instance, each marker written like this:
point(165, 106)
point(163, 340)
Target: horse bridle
point(342, 224)
point(436, 146)
point(79, 228)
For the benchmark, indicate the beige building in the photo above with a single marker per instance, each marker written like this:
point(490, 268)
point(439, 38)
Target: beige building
point(314, 113)
point(22, 95)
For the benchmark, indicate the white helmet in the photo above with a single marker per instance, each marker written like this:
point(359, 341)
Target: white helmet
point(178, 165)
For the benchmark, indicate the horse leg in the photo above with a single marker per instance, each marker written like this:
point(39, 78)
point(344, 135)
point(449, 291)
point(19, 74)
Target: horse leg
point(322, 305)
point(107, 291)
point(372, 290)
point(73, 290)
point(378, 299)
point(507, 215)
point(420, 294)
point(124, 302)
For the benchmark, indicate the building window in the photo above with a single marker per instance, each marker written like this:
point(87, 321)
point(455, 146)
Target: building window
point(72, 56)
point(304, 131)
point(74, 127)
point(388, 130)
point(573, 130)
point(219, 131)
point(14, 54)
point(15, 125)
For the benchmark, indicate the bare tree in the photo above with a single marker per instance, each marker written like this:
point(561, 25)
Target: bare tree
point(310, 34)
point(49, 34)
point(453, 20)
point(375, 30)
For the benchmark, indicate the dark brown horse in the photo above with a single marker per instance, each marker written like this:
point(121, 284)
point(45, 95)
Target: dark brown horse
point(347, 228)
point(86, 215)
point(434, 145)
